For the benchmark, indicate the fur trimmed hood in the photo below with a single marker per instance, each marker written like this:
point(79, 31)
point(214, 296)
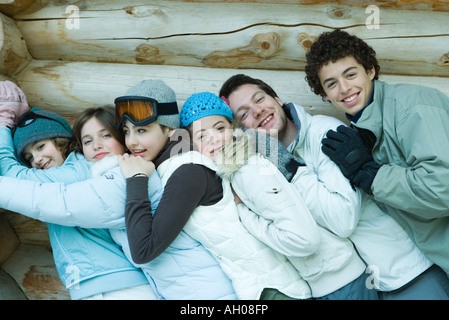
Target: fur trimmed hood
point(105, 164)
point(245, 144)
point(235, 155)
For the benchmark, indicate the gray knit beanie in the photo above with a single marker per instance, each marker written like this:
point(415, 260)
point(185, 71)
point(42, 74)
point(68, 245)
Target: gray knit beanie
point(158, 90)
point(32, 128)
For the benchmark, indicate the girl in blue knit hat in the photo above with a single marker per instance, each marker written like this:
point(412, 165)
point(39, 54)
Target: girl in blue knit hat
point(198, 202)
point(88, 261)
point(273, 211)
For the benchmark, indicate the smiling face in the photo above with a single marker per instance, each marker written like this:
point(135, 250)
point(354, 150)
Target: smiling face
point(146, 141)
point(346, 83)
point(43, 154)
point(256, 109)
point(210, 134)
point(97, 142)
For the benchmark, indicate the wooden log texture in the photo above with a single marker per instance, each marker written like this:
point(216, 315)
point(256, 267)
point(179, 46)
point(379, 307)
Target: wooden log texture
point(28, 230)
point(8, 240)
point(14, 7)
point(33, 268)
point(70, 87)
point(234, 35)
point(14, 55)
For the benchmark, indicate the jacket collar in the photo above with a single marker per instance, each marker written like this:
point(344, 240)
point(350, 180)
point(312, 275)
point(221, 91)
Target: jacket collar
point(357, 116)
point(372, 116)
point(302, 119)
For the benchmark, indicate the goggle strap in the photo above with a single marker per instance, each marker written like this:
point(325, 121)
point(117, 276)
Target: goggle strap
point(167, 108)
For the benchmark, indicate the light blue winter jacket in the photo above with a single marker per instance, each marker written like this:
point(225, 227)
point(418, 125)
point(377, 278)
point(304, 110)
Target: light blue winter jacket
point(184, 271)
point(88, 260)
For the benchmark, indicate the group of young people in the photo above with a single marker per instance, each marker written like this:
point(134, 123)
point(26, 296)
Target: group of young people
point(240, 195)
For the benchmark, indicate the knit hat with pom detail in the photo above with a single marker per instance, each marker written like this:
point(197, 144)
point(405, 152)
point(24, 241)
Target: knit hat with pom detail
point(204, 104)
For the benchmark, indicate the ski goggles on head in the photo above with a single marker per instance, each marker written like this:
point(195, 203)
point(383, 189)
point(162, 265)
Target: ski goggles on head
point(141, 110)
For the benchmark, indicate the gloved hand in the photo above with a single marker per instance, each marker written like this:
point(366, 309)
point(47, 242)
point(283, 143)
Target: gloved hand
point(345, 147)
point(13, 104)
point(365, 176)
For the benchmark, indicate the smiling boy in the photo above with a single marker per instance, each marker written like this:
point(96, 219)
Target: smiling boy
point(397, 148)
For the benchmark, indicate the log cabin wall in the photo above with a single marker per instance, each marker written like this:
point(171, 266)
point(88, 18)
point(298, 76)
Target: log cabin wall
point(71, 55)
point(84, 53)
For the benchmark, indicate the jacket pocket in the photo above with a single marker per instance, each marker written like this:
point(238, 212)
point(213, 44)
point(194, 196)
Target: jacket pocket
point(275, 197)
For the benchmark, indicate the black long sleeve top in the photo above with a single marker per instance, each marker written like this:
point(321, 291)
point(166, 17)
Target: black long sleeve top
point(190, 186)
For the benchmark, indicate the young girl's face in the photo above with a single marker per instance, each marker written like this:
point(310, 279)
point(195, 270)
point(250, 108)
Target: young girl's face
point(43, 154)
point(146, 141)
point(97, 141)
point(211, 134)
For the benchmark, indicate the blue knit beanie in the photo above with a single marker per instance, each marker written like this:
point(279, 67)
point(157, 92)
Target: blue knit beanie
point(35, 129)
point(204, 104)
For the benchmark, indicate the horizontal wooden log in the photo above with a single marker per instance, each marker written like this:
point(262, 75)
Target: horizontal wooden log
point(227, 35)
point(428, 5)
point(70, 87)
point(14, 55)
point(14, 7)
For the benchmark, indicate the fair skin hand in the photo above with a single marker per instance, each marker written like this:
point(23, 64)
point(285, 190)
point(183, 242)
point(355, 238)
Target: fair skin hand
point(131, 165)
point(258, 110)
point(346, 83)
point(98, 142)
point(43, 154)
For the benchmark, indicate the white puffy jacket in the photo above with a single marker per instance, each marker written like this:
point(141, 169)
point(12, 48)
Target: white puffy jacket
point(393, 258)
point(88, 204)
point(249, 263)
point(276, 214)
point(279, 217)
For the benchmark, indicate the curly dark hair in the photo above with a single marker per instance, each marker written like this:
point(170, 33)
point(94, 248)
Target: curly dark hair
point(335, 45)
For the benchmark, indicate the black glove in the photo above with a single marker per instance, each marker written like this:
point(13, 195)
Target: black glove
point(365, 176)
point(345, 147)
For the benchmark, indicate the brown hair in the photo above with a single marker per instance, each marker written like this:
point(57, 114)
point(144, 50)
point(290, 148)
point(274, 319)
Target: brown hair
point(105, 115)
point(234, 82)
point(63, 145)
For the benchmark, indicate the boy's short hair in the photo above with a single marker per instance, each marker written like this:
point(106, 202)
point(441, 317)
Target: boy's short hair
point(234, 82)
point(335, 45)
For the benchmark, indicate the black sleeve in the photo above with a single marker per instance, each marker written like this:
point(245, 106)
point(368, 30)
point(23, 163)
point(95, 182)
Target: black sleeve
point(188, 187)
